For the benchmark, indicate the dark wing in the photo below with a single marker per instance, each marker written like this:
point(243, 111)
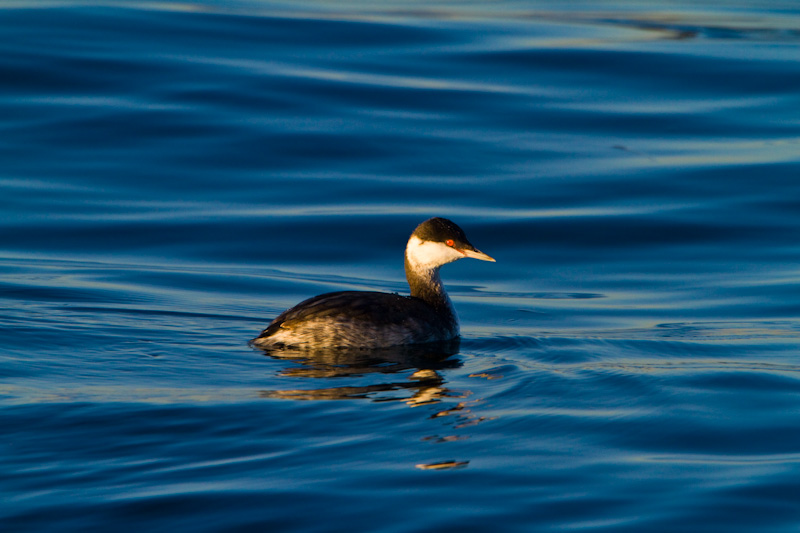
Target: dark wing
point(365, 312)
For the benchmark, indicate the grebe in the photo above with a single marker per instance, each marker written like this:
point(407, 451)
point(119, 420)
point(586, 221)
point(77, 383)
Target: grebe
point(357, 319)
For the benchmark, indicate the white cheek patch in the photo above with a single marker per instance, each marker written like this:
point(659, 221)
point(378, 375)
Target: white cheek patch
point(428, 255)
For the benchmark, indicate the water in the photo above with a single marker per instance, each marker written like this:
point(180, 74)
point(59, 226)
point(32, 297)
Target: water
point(176, 174)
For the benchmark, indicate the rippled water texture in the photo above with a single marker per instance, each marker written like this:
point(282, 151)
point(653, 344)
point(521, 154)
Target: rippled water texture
point(173, 175)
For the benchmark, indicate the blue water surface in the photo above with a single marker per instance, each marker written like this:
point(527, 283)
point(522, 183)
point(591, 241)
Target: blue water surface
point(175, 174)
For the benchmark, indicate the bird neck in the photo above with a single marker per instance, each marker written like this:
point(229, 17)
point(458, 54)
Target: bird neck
point(426, 285)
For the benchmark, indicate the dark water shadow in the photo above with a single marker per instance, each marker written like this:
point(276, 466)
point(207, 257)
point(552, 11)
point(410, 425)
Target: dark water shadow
point(425, 384)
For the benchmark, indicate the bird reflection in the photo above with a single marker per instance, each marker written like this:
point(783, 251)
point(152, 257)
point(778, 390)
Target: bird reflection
point(423, 385)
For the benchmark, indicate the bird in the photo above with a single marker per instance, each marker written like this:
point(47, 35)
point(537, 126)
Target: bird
point(368, 319)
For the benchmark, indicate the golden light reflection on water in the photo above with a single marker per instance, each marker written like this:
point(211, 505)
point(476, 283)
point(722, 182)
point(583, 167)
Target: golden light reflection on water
point(422, 392)
point(423, 383)
point(443, 465)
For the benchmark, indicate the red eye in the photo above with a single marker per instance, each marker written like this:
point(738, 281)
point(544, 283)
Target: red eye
point(449, 242)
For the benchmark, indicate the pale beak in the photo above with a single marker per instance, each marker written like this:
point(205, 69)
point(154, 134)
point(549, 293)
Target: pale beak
point(477, 254)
